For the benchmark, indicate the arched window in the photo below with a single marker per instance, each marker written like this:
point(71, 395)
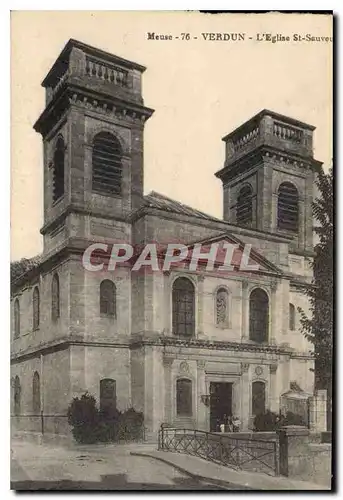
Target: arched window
point(184, 397)
point(258, 397)
point(55, 298)
point(287, 208)
point(183, 307)
point(58, 171)
point(258, 316)
point(291, 317)
point(108, 398)
point(36, 313)
point(222, 307)
point(36, 405)
point(16, 318)
point(244, 206)
point(17, 396)
point(108, 298)
point(107, 164)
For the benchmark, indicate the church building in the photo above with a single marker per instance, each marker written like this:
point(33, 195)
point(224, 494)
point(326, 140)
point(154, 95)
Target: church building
point(183, 346)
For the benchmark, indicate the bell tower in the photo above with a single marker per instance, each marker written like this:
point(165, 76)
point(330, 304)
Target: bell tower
point(92, 129)
point(268, 177)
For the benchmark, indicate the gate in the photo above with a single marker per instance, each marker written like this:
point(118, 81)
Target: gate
point(254, 455)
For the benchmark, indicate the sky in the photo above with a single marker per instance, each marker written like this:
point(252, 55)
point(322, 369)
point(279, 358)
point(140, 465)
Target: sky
point(200, 90)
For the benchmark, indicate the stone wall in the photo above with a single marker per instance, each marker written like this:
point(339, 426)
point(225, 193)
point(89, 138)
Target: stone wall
point(302, 457)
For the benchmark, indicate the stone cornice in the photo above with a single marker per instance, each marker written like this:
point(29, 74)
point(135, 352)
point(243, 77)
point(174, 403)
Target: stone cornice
point(213, 345)
point(134, 343)
point(79, 97)
point(261, 154)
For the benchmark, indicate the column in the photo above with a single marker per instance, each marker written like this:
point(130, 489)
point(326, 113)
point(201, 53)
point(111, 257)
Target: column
point(202, 411)
point(200, 311)
point(245, 312)
point(168, 392)
point(273, 309)
point(245, 396)
point(302, 227)
point(273, 396)
point(166, 305)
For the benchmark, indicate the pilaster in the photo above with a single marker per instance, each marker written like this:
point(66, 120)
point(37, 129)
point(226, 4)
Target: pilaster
point(245, 311)
point(245, 395)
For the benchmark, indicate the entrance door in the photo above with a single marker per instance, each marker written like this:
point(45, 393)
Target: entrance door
point(220, 403)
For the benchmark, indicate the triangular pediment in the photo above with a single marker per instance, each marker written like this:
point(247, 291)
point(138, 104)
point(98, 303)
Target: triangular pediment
point(225, 252)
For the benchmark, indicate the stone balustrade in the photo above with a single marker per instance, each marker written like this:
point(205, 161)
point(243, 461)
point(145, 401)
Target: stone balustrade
point(106, 72)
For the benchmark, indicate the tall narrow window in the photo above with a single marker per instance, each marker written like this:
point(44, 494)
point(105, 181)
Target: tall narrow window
point(183, 307)
point(108, 399)
point(16, 318)
point(258, 397)
point(55, 298)
point(58, 172)
point(222, 307)
point(291, 317)
point(36, 405)
point(36, 312)
point(108, 298)
point(244, 206)
point(107, 164)
point(17, 396)
point(184, 397)
point(288, 210)
point(258, 316)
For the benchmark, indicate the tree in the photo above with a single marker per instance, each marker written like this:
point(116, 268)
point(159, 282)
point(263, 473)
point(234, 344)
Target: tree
point(19, 267)
point(318, 328)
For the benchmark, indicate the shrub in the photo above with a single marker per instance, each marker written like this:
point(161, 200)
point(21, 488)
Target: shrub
point(83, 416)
point(90, 425)
point(130, 425)
point(293, 419)
point(108, 422)
point(268, 421)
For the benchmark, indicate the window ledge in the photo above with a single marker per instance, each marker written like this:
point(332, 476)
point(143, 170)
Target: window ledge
point(224, 326)
point(108, 316)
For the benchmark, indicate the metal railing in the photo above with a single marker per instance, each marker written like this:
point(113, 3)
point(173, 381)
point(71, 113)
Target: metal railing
point(254, 455)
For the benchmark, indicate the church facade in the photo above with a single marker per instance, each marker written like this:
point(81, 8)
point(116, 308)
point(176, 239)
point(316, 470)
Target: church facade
point(184, 346)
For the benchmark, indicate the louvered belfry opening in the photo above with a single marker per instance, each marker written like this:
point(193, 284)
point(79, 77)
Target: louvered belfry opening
point(107, 164)
point(288, 210)
point(244, 206)
point(58, 174)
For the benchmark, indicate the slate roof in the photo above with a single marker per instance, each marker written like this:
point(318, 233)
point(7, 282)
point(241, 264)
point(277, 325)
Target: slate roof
point(162, 202)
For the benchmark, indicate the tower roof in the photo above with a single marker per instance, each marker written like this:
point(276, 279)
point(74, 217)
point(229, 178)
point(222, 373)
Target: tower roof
point(89, 50)
point(277, 116)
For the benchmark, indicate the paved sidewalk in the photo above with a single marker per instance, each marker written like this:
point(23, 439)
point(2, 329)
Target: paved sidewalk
point(226, 477)
point(96, 467)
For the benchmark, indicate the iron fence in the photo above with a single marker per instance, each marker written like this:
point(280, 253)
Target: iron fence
point(253, 455)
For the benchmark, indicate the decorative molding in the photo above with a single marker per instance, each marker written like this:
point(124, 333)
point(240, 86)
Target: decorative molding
point(201, 364)
point(245, 367)
point(167, 362)
point(245, 284)
point(273, 368)
point(184, 367)
point(258, 370)
point(122, 110)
